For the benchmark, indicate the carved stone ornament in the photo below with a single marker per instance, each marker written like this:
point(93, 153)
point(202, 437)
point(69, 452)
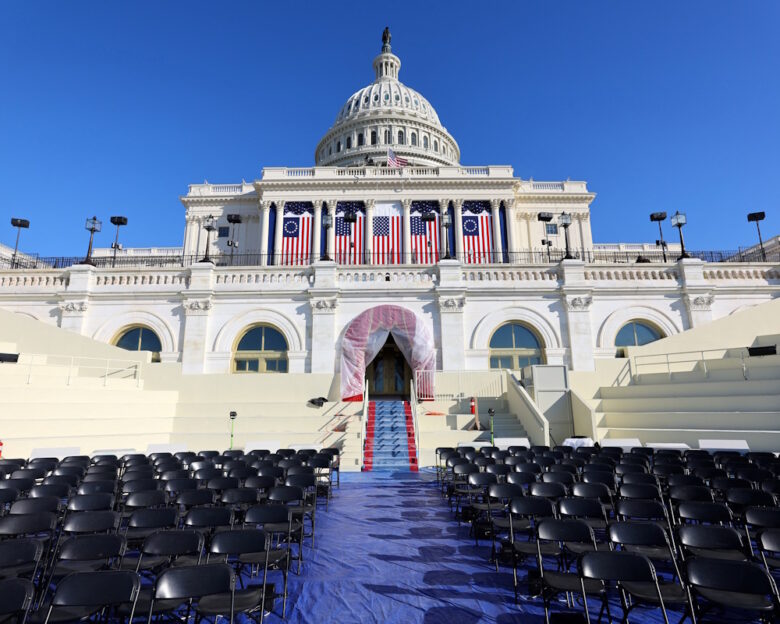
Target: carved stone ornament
point(197, 305)
point(73, 306)
point(324, 305)
point(452, 304)
point(702, 303)
point(579, 303)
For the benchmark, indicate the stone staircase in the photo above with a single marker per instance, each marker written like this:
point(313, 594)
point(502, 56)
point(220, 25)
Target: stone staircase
point(389, 443)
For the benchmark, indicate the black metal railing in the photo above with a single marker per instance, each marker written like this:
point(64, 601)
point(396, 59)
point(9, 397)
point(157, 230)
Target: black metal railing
point(597, 256)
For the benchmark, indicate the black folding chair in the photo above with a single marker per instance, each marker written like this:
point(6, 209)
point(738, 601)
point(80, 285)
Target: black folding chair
point(85, 594)
point(190, 584)
point(16, 596)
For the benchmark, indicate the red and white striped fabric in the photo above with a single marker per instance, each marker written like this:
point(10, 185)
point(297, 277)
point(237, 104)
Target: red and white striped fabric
point(296, 239)
point(350, 239)
point(425, 239)
point(386, 242)
point(477, 237)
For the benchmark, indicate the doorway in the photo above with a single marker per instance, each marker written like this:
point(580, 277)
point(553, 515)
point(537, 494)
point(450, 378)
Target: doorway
point(388, 374)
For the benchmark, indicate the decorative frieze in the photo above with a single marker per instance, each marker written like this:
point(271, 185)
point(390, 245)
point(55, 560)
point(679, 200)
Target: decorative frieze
point(578, 303)
point(324, 305)
point(73, 306)
point(197, 305)
point(452, 304)
point(700, 303)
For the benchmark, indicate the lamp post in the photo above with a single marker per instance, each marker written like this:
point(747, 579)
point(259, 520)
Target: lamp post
point(546, 242)
point(660, 217)
point(92, 225)
point(427, 217)
point(565, 221)
point(757, 217)
point(679, 220)
point(209, 226)
point(118, 222)
point(19, 224)
point(447, 221)
point(234, 220)
point(327, 223)
point(233, 416)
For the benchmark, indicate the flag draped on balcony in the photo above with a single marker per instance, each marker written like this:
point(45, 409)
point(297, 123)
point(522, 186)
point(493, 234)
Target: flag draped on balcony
point(386, 243)
point(350, 237)
point(297, 233)
point(425, 236)
point(477, 232)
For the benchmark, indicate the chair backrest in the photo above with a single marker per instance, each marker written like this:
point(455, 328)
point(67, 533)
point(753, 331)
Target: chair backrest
point(482, 479)
point(173, 543)
point(582, 508)
point(260, 482)
point(28, 524)
point(18, 551)
point(505, 491)
point(16, 596)
point(153, 518)
point(90, 522)
point(635, 478)
point(641, 509)
point(710, 537)
point(548, 490)
point(521, 478)
point(704, 511)
point(632, 533)
point(763, 517)
point(573, 531)
point(643, 491)
point(616, 566)
point(91, 547)
point(91, 502)
point(103, 486)
point(59, 490)
point(723, 575)
point(690, 493)
point(267, 514)
point(285, 494)
point(769, 540)
point(194, 581)
point(239, 496)
point(104, 588)
point(238, 542)
point(35, 505)
point(532, 506)
point(193, 498)
point(208, 517)
point(598, 491)
point(303, 481)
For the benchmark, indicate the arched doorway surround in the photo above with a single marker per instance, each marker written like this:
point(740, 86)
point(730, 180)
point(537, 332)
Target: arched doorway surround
point(366, 335)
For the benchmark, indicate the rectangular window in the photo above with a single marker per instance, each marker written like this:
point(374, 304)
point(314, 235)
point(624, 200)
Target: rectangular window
point(223, 231)
point(551, 229)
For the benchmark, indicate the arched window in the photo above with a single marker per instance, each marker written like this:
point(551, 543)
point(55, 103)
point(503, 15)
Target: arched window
point(400, 137)
point(435, 145)
point(414, 139)
point(349, 142)
point(373, 137)
point(425, 142)
point(262, 349)
point(636, 334)
point(514, 346)
point(140, 338)
point(387, 136)
point(360, 140)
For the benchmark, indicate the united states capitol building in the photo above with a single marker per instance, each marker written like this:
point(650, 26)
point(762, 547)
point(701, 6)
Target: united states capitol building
point(273, 273)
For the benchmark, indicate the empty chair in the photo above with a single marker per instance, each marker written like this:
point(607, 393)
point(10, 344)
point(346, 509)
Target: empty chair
point(166, 548)
point(705, 512)
point(739, 499)
point(208, 519)
point(58, 490)
point(641, 478)
point(143, 522)
point(16, 596)
point(91, 522)
point(35, 505)
point(86, 553)
point(716, 542)
point(189, 584)
point(81, 595)
point(590, 510)
point(20, 557)
point(195, 498)
point(769, 549)
point(552, 491)
point(100, 501)
point(732, 585)
point(97, 487)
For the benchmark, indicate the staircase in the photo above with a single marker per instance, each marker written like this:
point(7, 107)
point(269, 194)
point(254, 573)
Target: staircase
point(389, 443)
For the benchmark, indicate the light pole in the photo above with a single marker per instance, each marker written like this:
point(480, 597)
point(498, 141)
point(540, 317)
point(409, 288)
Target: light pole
point(565, 221)
point(19, 224)
point(679, 220)
point(92, 225)
point(757, 217)
point(209, 226)
point(447, 222)
point(233, 416)
point(546, 242)
point(118, 222)
point(327, 222)
point(427, 217)
point(660, 217)
point(234, 220)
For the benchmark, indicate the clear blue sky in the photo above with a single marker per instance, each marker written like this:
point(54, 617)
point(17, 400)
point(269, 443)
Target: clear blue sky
point(114, 107)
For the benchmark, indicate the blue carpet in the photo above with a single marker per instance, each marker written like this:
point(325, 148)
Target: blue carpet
point(388, 550)
point(391, 448)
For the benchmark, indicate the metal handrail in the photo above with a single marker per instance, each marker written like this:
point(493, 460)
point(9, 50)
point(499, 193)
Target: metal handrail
point(364, 424)
point(413, 405)
point(686, 357)
point(75, 364)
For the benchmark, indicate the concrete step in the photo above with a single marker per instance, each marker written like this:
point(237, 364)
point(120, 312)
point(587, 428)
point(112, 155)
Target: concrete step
point(715, 401)
point(705, 420)
point(695, 389)
point(760, 440)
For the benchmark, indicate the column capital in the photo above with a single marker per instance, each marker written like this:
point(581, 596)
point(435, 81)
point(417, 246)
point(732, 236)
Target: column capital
point(265, 204)
point(495, 204)
point(457, 203)
point(444, 204)
point(370, 204)
point(407, 204)
point(509, 202)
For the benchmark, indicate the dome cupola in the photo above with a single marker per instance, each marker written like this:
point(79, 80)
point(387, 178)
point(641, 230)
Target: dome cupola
point(386, 115)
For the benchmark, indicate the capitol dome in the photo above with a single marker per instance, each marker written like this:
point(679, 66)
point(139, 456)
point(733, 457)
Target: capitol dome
point(386, 114)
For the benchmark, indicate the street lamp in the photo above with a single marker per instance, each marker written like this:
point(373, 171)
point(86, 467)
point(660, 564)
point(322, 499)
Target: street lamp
point(678, 221)
point(447, 222)
point(19, 224)
point(118, 222)
point(234, 220)
point(209, 226)
point(327, 223)
point(659, 217)
point(757, 217)
point(546, 242)
point(233, 416)
point(92, 225)
point(565, 221)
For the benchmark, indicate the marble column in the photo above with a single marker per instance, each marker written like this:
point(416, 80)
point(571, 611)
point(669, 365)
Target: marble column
point(265, 210)
point(458, 211)
point(407, 250)
point(317, 236)
point(511, 241)
point(278, 233)
point(498, 247)
point(369, 246)
point(330, 207)
point(443, 206)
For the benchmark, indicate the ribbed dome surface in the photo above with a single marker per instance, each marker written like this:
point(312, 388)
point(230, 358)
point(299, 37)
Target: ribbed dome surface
point(389, 96)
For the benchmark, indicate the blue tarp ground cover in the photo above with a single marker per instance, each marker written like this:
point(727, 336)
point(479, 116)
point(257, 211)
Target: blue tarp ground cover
point(388, 550)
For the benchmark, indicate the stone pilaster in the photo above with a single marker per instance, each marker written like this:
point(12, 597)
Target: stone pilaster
point(316, 250)
point(511, 235)
point(407, 250)
point(577, 300)
point(498, 246)
point(75, 300)
point(451, 299)
point(324, 304)
point(458, 225)
point(265, 210)
point(197, 303)
point(278, 233)
point(696, 292)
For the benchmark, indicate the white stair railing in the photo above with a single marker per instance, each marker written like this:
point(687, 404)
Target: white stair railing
point(413, 405)
point(364, 424)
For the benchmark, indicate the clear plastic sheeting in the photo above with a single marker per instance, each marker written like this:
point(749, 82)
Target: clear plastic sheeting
point(367, 334)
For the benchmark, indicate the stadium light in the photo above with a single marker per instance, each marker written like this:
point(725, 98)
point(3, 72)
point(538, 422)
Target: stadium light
point(679, 220)
point(209, 226)
point(546, 242)
point(660, 217)
point(234, 220)
point(92, 225)
point(19, 224)
point(757, 217)
point(118, 222)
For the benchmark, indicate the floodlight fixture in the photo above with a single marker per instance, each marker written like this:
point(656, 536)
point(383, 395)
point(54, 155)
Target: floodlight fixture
point(19, 224)
point(757, 217)
point(659, 217)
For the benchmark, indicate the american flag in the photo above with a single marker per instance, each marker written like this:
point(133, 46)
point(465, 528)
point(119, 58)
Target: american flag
point(350, 239)
point(395, 161)
point(296, 233)
point(387, 234)
point(425, 239)
point(477, 235)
